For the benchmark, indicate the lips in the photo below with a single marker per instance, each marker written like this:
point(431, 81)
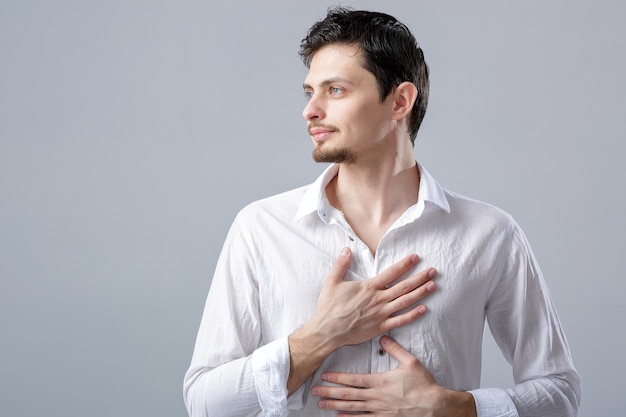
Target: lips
point(320, 133)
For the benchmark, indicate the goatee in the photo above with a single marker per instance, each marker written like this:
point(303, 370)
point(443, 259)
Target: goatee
point(341, 155)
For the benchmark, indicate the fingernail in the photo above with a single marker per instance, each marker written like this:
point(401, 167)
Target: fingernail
point(414, 258)
point(421, 309)
point(345, 252)
point(315, 391)
point(432, 273)
point(322, 404)
point(430, 286)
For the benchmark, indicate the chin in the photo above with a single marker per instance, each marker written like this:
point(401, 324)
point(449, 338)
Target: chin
point(340, 155)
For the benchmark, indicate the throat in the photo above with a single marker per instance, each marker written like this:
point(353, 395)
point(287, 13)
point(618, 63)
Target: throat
point(366, 231)
point(370, 222)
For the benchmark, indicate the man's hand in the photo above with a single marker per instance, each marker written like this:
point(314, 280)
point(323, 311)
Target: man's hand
point(351, 312)
point(409, 390)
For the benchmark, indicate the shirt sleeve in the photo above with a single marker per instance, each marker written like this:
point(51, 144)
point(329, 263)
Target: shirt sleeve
point(271, 370)
point(233, 372)
point(525, 325)
point(493, 402)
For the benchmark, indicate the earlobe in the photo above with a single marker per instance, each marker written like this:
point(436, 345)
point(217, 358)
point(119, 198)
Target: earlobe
point(405, 96)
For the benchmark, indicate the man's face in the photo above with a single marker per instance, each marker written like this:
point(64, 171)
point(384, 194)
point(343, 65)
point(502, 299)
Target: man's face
point(344, 114)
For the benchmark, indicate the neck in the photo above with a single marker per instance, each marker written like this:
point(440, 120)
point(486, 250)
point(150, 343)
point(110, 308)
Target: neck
point(378, 191)
point(373, 198)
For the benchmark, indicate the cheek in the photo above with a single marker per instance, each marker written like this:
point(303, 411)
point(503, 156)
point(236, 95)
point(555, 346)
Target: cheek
point(359, 118)
point(372, 121)
point(361, 115)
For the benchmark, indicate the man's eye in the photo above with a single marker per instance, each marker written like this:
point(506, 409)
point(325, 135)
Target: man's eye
point(335, 90)
point(308, 95)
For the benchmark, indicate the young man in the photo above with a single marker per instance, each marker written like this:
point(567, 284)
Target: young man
point(289, 330)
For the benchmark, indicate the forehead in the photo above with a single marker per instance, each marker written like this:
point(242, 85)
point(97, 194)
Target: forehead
point(337, 61)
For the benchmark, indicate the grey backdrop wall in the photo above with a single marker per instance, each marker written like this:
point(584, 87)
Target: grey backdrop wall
point(132, 131)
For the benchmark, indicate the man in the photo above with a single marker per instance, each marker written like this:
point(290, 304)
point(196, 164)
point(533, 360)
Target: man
point(290, 330)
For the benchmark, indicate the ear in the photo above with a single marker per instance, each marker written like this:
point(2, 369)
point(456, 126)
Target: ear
point(404, 95)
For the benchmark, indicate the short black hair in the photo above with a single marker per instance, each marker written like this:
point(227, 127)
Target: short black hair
point(388, 48)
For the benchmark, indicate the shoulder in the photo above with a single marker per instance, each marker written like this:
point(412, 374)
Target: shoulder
point(490, 228)
point(482, 219)
point(476, 210)
point(279, 206)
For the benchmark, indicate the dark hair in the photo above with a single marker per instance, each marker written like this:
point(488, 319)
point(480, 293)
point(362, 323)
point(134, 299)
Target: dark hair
point(389, 51)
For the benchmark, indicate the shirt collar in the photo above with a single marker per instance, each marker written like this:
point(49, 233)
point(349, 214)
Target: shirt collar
point(314, 199)
point(431, 191)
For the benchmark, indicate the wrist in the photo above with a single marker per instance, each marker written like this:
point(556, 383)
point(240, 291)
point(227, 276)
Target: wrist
point(307, 351)
point(314, 339)
point(309, 345)
point(461, 404)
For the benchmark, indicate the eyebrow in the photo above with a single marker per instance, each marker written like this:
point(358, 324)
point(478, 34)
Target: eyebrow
point(329, 81)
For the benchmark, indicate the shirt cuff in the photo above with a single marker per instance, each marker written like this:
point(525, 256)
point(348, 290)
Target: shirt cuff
point(270, 367)
point(493, 402)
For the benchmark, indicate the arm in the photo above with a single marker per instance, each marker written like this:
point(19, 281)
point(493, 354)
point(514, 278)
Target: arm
point(220, 378)
point(233, 370)
point(526, 327)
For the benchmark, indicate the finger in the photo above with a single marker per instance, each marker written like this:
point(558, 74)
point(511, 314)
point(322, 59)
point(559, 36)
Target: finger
point(396, 270)
point(403, 319)
point(340, 267)
point(339, 393)
point(351, 407)
point(341, 398)
point(348, 379)
point(409, 299)
point(412, 283)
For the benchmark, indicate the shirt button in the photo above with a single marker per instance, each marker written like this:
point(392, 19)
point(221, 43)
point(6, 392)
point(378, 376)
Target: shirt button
point(381, 352)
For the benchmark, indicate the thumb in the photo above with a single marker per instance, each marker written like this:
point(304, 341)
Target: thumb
point(340, 267)
point(397, 351)
point(406, 359)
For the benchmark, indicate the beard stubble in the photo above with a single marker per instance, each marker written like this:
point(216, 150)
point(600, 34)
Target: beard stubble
point(337, 155)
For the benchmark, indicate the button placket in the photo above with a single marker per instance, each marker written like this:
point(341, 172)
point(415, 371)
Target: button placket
point(380, 358)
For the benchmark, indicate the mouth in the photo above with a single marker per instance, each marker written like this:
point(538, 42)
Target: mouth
point(320, 133)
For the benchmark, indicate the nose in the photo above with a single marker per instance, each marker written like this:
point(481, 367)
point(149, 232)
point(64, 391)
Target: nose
point(313, 109)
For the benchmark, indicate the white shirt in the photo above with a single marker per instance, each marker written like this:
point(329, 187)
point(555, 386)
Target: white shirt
point(279, 251)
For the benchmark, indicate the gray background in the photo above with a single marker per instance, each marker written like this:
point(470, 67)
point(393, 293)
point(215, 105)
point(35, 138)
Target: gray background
point(132, 131)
